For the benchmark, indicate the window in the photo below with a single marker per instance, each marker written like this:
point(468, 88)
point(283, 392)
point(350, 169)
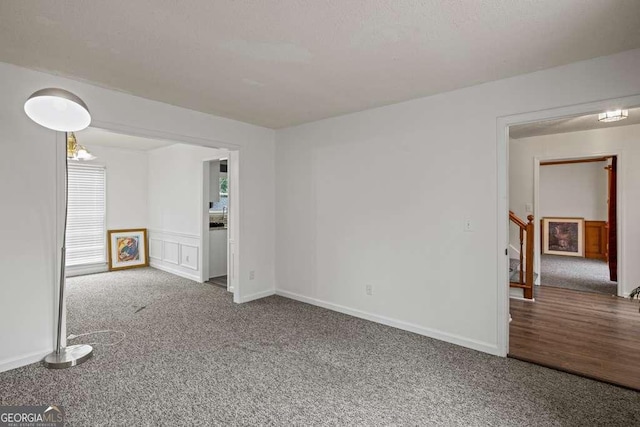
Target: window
point(86, 229)
point(224, 186)
point(223, 202)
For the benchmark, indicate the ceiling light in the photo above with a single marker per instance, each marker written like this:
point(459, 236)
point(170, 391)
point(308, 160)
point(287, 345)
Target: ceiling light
point(76, 151)
point(613, 116)
point(58, 109)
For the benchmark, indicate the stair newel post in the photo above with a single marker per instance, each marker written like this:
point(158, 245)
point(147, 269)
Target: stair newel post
point(521, 265)
point(528, 290)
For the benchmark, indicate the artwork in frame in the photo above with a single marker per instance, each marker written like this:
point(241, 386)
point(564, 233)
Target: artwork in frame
point(563, 236)
point(127, 248)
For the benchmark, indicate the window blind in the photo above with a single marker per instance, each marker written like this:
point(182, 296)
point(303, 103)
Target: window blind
point(86, 217)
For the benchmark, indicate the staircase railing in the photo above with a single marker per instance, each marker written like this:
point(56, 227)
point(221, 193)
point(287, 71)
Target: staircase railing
point(525, 267)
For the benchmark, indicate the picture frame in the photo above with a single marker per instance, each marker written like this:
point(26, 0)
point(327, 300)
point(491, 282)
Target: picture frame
point(127, 248)
point(563, 236)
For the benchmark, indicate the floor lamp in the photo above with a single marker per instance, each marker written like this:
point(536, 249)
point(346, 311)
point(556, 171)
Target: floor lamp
point(62, 111)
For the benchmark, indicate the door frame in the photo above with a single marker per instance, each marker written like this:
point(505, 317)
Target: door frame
point(620, 218)
point(233, 218)
point(502, 145)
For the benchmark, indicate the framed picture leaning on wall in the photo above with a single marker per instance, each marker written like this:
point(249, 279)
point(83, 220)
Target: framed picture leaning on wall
point(127, 248)
point(563, 236)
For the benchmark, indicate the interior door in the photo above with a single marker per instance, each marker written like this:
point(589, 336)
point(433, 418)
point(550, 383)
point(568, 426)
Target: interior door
point(612, 219)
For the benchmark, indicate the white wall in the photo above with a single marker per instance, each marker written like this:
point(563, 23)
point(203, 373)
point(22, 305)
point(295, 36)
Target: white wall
point(428, 275)
point(28, 188)
point(176, 207)
point(126, 185)
point(574, 190)
point(624, 140)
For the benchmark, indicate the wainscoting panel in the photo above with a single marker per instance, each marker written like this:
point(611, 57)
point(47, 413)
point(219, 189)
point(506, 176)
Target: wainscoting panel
point(155, 249)
point(171, 252)
point(176, 253)
point(596, 239)
point(189, 256)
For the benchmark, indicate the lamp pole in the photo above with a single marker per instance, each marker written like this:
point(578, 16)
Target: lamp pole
point(63, 250)
point(65, 357)
point(62, 111)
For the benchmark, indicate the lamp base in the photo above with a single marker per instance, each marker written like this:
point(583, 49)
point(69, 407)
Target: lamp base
point(69, 356)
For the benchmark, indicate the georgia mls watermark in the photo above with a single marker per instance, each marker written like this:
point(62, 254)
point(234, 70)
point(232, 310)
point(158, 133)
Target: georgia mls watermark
point(31, 416)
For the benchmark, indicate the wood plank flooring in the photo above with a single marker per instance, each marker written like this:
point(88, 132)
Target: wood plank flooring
point(597, 336)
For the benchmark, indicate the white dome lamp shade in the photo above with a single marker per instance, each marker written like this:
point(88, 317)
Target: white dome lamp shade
point(58, 109)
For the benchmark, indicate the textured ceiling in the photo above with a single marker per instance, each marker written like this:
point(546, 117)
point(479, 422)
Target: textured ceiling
point(92, 136)
point(570, 124)
point(283, 62)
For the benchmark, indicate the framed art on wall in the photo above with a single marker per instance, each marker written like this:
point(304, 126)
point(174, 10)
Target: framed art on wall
point(563, 236)
point(127, 248)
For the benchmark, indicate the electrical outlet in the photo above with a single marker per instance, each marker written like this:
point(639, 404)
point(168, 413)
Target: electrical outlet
point(468, 224)
point(252, 274)
point(369, 290)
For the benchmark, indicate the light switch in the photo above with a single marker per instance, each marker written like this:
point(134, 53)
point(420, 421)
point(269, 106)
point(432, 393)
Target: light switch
point(528, 207)
point(468, 224)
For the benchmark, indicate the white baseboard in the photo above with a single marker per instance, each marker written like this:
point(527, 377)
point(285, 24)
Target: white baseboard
point(523, 299)
point(177, 272)
point(517, 293)
point(82, 270)
point(257, 295)
point(431, 333)
point(7, 365)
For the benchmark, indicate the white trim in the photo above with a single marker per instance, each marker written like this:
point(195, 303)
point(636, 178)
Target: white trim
point(256, 296)
point(431, 333)
point(174, 233)
point(7, 365)
point(502, 217)
point(175, 271)
point(234, 228)
point(522, 298)
point(81, 270)
point(162, 135)
point(206, 219)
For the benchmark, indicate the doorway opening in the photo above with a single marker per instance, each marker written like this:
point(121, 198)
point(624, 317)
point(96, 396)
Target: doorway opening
point(141, 180)
point(565, 196)
point(218, 246)
point(577, 206)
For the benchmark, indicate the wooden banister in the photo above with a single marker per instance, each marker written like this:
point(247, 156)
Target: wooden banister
point(528, 291)
point(526, 276)
point(514, 218)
